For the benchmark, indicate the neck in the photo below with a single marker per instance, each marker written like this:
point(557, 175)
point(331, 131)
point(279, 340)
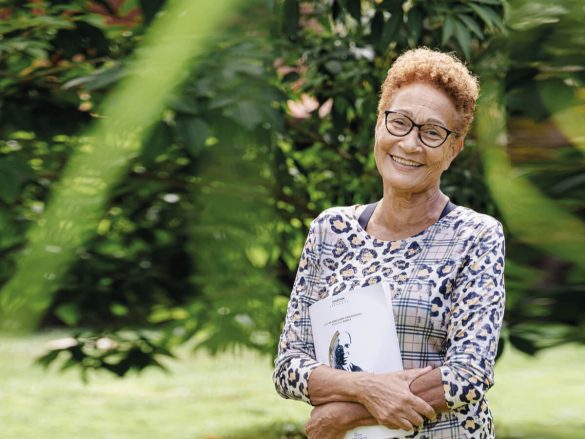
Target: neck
point(399, 210)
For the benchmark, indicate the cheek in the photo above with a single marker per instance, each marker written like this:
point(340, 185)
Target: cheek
point(439, 161)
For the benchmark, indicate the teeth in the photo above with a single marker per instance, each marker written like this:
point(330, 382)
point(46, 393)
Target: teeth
point(405, 162)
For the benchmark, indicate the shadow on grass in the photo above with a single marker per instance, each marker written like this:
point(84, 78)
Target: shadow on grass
point(535, 431)
point(294, 431)
point(270, 431)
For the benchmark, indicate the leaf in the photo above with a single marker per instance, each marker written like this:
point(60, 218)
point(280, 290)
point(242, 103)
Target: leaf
point(291, 18)
point(377, 26)
point(463, 37)
point(523, 344)
point(501, 346)
point(193, 133)
point(159, 141)
point(71, 362)
point(48, 358)
point(14, 172)
point(391, 28)
point(490, 2)
point(68, 313)
point(334, 66)
point(355, 9)
point(335, 10)
point(150, 8)
point(186, 105)
point(448, 27)
point(291, 77)
point(248, 113)
point(415, 24)
point(487, 14)
point(472, 25)
point(101, 79)
point(9, 188)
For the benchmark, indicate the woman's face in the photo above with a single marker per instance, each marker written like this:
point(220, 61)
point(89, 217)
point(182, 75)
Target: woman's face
point(423, 103)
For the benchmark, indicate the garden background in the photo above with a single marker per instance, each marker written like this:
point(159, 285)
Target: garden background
point(160, 164)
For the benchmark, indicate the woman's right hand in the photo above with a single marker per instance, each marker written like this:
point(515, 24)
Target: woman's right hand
point(388, 398)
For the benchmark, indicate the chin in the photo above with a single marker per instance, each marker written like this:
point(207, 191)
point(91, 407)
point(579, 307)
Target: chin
point(401, 183)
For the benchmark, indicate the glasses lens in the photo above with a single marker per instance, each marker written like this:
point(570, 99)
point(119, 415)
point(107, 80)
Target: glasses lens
point(398, 125)
point(433, 135)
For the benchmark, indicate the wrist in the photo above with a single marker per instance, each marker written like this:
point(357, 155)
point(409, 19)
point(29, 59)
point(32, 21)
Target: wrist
point(345, 416)
point(360, 382)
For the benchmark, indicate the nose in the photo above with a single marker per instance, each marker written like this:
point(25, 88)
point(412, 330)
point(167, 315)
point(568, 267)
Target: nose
point(411, 143)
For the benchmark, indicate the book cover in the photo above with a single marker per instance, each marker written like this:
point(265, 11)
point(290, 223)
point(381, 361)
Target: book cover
point(355, 331)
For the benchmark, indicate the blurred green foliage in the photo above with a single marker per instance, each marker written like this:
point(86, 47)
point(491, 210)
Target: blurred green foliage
point(200, 239)
point(102, 157)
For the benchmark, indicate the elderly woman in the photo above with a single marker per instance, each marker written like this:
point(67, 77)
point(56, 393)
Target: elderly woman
point(443, 263)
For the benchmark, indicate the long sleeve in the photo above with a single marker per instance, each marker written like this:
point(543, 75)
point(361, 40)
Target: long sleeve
point(296, 352)
point(476, 317)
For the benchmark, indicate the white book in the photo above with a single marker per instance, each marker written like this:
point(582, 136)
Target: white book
point(355, 331)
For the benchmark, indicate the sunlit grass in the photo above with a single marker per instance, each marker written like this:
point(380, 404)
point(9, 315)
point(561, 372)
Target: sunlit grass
point(201, 398)
point(232, 396)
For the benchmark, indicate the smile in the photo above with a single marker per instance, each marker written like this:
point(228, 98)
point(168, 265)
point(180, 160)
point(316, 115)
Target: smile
point(404, 161)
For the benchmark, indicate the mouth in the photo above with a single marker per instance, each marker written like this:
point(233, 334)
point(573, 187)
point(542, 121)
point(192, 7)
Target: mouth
point(405, 162)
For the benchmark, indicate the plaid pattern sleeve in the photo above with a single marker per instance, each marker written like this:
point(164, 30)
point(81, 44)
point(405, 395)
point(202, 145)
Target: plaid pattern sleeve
point(296, 353)
point(476, 318)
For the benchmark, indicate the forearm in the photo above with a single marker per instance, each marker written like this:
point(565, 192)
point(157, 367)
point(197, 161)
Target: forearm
point(430, 388)
point(328, 385)
point(346, 415)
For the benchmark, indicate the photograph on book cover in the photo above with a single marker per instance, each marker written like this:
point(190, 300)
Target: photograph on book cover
point(340, 352)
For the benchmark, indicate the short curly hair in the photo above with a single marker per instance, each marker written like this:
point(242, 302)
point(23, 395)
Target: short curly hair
point(442, 70)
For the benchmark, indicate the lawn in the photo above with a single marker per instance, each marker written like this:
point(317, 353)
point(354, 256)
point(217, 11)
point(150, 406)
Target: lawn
point(232, 397)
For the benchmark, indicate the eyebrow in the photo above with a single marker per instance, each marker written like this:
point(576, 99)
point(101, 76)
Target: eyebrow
point(430, 120)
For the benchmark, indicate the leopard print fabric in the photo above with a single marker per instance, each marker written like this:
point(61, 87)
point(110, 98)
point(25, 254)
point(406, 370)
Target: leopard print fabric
point(448, 302)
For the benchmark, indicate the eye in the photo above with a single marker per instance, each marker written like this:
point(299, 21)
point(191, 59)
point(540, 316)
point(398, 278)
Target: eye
point(399, 122)
point(433, 132)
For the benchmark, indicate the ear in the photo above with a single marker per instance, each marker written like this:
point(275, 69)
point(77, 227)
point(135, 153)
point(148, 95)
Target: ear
point(458, 146)
point(454, 149)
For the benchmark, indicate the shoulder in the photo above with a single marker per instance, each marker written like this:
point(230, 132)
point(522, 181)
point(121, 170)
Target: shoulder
point(476, 224)
point(339, 219)
point(482, 233)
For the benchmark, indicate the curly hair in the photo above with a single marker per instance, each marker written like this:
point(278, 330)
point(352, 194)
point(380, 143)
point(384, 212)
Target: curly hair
point(445, 71)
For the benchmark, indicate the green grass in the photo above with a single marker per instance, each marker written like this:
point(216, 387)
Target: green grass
point(233, 397)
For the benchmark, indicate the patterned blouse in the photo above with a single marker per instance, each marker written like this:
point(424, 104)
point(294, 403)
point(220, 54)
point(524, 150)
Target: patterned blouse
point(448, 303)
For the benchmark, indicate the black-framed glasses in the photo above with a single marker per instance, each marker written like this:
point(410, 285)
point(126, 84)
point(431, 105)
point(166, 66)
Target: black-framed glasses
point(429, 134)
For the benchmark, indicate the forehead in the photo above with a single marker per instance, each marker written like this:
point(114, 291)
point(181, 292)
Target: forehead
point(344, 338)
point(424, 103)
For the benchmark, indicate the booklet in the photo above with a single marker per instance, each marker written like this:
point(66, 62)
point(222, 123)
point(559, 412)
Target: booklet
point(355, 331)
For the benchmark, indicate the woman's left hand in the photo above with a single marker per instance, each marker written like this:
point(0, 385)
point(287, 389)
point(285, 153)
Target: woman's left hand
point(324, 423)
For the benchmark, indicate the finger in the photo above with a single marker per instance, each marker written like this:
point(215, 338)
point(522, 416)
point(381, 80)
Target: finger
point(412, 374)
point(405, 424)
point(414, 418)
point(423, 407)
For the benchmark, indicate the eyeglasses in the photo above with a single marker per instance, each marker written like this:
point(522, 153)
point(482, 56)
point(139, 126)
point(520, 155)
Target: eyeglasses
point(430, 135)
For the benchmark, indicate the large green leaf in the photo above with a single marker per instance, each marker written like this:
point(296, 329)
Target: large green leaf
point(290, 17)
point(14, 172)
point(448, 29)
point(471, 25)
point(193, 132)
point(463, 37)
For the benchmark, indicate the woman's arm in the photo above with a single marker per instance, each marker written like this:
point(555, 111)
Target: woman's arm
point(334, 419)
point(296, 353)
point(429, 387)
point(387, 397)
point(475, 320)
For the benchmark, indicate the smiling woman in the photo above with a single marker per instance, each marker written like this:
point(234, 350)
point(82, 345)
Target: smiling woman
point(443, 263)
